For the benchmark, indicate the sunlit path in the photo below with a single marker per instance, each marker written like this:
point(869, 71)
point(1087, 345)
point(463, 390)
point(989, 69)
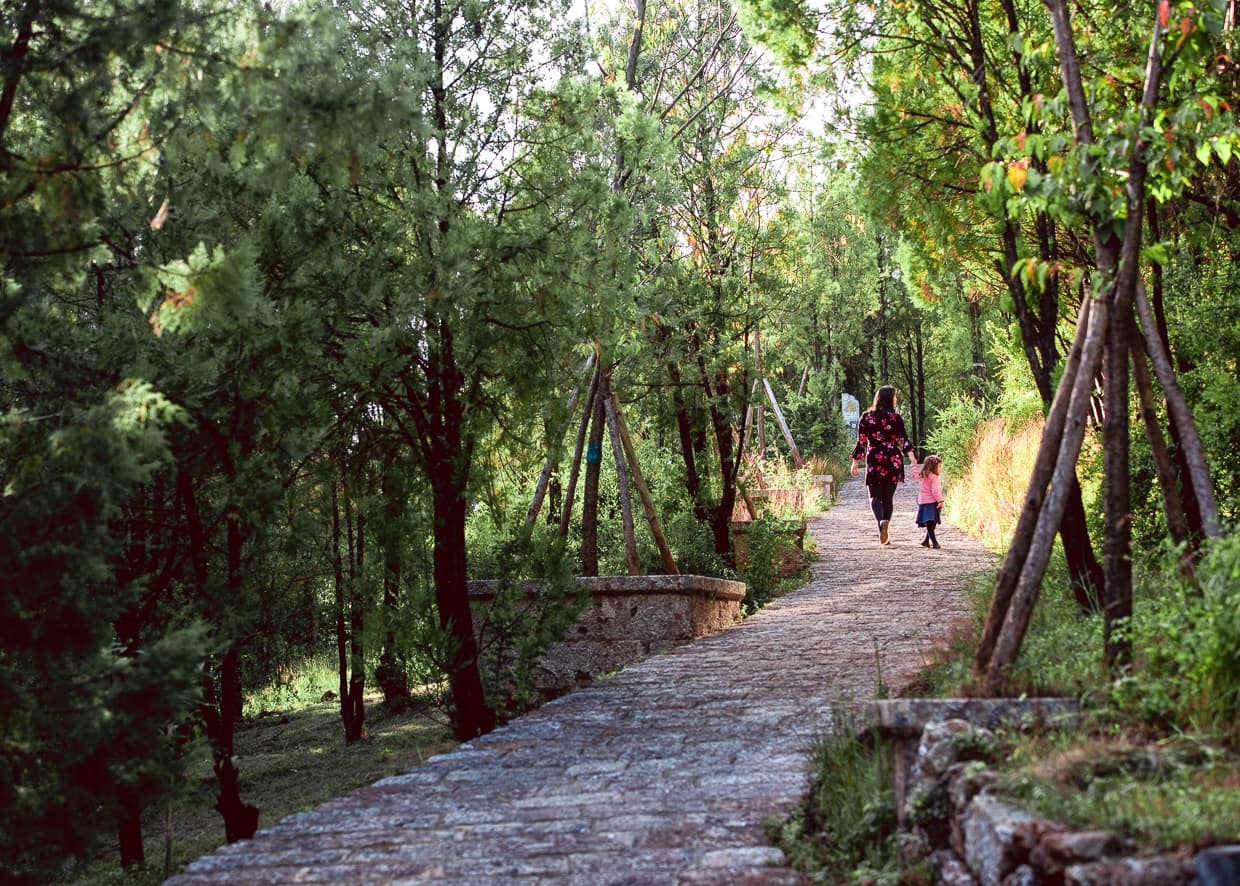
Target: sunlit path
point(662, 774)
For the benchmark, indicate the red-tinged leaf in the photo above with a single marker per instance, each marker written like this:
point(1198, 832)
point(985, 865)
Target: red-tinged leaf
point(1205, 106)
point(1164, 12)
point(1186, 25)
point(1020, 141)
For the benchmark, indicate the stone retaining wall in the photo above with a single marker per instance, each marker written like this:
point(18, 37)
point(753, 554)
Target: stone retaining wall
point(948, 811)
point(629, 618)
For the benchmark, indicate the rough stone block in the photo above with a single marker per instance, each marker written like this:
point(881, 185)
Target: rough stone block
point(990, 850)
point(1219, 866)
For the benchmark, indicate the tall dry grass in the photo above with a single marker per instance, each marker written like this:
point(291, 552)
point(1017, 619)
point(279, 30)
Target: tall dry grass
point(985, 500)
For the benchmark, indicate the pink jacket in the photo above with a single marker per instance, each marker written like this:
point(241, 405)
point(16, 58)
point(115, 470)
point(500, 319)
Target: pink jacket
point(931, 489)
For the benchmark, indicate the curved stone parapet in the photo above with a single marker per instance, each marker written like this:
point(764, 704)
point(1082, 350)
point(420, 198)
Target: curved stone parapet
point(629, 618)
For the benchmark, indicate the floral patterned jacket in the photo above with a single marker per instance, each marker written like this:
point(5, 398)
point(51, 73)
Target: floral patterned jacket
point(882, 440)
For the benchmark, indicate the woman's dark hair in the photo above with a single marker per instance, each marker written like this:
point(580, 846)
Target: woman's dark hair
point(885, 398)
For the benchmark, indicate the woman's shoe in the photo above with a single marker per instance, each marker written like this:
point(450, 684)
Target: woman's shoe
point(925, 542)
point(882, 531)
point(935, 545)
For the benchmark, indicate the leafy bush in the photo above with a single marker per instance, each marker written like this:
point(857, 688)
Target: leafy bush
point(1186, 646)
point(955, 430)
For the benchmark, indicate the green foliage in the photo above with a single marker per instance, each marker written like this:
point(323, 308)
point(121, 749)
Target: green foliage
point(1165, 797)
point(786, 27)
point(763, 539)
point(1186, 646)
point(955, 431)
point(845, 827)
point(534, 605)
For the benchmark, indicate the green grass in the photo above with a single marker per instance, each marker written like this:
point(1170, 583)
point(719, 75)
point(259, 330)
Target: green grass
point(290, 761)
point(844, 830)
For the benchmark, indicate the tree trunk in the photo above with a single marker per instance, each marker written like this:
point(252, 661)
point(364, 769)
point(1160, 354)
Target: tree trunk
point(240, 819)
point(352, 701)
point(472, 716)
point(1080, 385)
point(1117, 517)
point(390, 674)
point(684, 427)
point(1177, 407)
point(129, 828)
point(1173, 505)
point(652, 515)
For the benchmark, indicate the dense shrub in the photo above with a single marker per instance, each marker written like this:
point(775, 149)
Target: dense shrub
point(1186, 643)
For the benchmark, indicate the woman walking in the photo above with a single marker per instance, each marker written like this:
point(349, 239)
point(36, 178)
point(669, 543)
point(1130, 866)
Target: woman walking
point(882, 442)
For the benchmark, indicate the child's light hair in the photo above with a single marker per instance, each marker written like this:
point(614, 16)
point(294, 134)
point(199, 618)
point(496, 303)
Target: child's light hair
point(932, 464)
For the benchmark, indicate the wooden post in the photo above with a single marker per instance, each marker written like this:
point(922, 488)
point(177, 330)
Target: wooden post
point(757, 359)
point(1035, 494)
point(567, 510)
point(783, 425)
point(540, 489)
point(652, 516)
point(622, 481)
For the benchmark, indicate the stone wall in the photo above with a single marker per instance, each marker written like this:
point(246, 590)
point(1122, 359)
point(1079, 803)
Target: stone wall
point(629, 618)
point(949, 812)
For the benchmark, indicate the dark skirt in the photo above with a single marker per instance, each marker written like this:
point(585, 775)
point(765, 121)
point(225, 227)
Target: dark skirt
point(928, 513)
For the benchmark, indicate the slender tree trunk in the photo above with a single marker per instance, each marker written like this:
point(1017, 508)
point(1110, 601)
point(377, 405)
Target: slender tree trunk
point(578, 448)
point(1177, 407)
point(1192, 508)
point(652, 515)
point(390, 673)
point(129, 828)
point(684, 427)
point(342, 634)
point(1117, 516)
point(473, 716)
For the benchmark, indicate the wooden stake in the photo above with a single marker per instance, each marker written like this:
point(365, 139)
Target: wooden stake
point(783, 425)
point(567, 509)
point(1026, 593)
point(1035, 494)
point(622, 481)
point(1198, 470)
point(652, 516)
point(540, 489)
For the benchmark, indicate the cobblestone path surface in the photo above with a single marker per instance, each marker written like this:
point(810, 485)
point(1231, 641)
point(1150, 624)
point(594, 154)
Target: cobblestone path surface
point(662, 774)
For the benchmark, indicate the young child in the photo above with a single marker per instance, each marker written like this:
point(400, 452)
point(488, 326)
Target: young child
point(930, 500)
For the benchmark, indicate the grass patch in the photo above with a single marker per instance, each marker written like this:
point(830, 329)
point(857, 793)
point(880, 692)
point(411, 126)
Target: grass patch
point(845, 829)
point(290, 761)
point(1170, 794)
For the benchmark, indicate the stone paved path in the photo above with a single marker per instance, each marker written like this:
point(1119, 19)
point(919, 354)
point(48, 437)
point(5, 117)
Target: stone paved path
point(662, 774)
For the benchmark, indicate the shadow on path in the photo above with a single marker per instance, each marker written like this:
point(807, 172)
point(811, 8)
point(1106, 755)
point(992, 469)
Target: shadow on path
point(662, 774)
